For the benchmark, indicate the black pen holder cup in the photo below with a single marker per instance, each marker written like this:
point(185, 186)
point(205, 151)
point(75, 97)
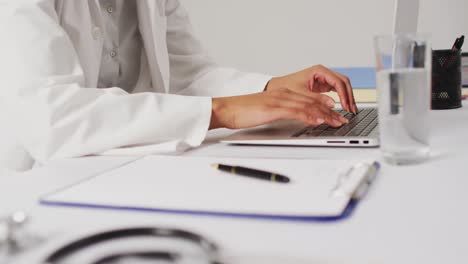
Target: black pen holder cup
point(446, 79)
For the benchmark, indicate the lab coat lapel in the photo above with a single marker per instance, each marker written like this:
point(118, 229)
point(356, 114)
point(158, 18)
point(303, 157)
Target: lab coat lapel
point(153, 32)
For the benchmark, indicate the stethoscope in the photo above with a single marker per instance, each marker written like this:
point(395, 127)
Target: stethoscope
point(209, 250)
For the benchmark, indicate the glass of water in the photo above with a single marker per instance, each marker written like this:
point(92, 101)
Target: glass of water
point(403, 64)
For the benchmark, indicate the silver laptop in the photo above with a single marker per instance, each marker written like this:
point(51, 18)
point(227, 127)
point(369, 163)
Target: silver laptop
point(362, 129)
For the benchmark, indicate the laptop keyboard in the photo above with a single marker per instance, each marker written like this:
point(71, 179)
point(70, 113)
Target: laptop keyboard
point(360, 124)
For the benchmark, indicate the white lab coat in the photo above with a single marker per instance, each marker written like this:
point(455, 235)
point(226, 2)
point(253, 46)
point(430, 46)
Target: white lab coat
point(49, 64)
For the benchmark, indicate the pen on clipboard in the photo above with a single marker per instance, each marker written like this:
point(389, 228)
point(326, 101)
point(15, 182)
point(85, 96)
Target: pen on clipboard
point(252, 173)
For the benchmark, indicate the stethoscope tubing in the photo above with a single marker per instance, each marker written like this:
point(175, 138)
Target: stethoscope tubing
point(209, 247)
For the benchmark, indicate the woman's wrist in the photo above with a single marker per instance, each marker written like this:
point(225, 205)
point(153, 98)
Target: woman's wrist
point(215, 112)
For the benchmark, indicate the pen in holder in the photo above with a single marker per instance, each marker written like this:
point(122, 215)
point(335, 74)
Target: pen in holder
point(446, 79)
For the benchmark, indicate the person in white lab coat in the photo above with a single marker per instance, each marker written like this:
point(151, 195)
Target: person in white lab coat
point(84, 77)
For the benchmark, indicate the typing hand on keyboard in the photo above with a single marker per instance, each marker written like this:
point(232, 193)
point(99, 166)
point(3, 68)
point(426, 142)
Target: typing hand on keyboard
point(318, 79)
point(282, 104)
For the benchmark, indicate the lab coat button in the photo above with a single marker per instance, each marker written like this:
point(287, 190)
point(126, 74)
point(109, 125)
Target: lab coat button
point(113, 53)
point(110, 10)
point(96, 33)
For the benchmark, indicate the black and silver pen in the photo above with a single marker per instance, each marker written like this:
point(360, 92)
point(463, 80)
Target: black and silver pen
point(252, 173)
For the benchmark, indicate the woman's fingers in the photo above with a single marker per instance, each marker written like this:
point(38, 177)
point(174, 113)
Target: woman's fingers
point(311, 98)
point(352, 101)
point(340, 89)
point(340, 84)
point(332, 118)
point(316, 116)
point(319, 85)
point(313, 110)
point(301, 115)
point(327, 103)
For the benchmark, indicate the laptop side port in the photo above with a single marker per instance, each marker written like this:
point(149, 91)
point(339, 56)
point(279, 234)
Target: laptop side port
point(354, 142)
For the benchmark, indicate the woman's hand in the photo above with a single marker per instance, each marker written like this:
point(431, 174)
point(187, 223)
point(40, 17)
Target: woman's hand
point(262, 108)
point(318, 79)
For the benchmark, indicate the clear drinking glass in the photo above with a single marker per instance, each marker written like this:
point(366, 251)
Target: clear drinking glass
point(404, 63)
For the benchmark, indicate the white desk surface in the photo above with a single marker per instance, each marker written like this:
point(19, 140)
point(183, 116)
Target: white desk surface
point(413, 214)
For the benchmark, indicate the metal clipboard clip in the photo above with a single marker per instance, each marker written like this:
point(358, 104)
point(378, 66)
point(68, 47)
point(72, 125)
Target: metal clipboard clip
point(355, 182)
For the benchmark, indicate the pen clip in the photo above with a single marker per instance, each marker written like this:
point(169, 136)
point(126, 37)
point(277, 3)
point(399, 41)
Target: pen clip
point(355, 181)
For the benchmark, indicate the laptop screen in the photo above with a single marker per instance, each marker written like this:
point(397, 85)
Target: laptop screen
point(406, 16)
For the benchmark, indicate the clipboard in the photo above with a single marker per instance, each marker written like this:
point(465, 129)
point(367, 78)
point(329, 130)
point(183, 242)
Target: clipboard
point(320, 190)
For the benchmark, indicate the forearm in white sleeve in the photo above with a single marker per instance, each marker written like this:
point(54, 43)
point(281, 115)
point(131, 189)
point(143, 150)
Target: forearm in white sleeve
point(54, 116)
